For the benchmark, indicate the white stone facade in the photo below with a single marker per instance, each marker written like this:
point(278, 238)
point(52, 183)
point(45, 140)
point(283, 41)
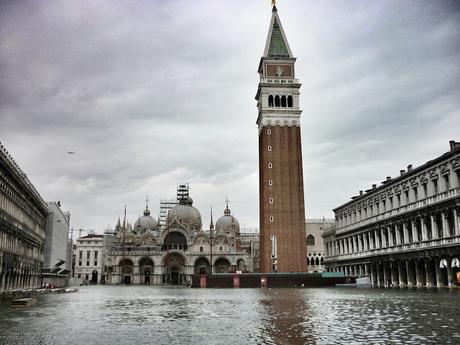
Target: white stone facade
point(89, 258)
point(405, 232)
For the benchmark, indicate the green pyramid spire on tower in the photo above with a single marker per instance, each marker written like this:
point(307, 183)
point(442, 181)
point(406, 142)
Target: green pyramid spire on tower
point(277, 46)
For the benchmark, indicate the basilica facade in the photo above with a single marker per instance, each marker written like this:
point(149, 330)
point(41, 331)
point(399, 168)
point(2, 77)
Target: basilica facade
point(148, 253)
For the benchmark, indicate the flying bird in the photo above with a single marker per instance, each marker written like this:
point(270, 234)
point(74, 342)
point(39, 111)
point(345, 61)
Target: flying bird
point(71, 152)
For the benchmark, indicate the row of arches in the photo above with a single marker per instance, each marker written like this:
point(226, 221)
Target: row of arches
point(174, 271)
point(277, 101)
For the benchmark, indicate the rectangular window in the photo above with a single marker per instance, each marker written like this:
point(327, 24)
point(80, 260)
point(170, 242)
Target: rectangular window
point(269, 148)
point(446, 182)
point(406, 195)
point(79, 275)
point(425, 190)
point(95, 263)
point(383, 205)
point(87, 276)
point(87, 254)
point(87, 263)
point(96, 254)
point(415, 193)
point(435, 187)
point(79, 263)
point(80, 254)
point(391, 202)
point(399, 200)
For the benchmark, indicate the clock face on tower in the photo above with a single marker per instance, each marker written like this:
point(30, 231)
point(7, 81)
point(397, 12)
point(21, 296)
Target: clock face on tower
point(279, 70)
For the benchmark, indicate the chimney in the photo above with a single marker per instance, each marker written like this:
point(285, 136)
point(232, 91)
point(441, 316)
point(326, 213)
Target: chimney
point(402, 172)
point(409, 167)
point(388, 178)
point(374, 186)
point(360, 192)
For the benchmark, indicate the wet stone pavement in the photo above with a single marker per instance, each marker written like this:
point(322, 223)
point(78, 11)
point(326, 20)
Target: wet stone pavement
point(165, 315)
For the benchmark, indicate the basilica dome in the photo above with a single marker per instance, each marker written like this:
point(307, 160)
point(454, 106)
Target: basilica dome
point(146, 222)
point(227, 224)
point(185, 214)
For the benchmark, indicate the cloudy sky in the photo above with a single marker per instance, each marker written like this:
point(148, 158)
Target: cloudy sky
point(151, 94)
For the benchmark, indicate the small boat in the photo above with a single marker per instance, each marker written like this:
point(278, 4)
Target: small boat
point(23, 302)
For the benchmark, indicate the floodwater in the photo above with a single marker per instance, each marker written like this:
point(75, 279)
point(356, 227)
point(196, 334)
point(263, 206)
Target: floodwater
point(164, 315)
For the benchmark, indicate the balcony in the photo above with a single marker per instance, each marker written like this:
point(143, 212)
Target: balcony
point(398, 249)
point(417, 205)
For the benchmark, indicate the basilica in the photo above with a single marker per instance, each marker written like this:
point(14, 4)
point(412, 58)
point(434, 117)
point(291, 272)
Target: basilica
point(150, 253)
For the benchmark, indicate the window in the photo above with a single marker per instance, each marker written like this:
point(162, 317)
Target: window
point(95, 255)
point(277, 101)
point(87, 276)
point(95, 263)
point(87, 254)
point(446, 182)
point(391, 202)
point(415, 193)
point(79, 275)
point(269, 131)
point(269, 148)
point(283, 101)
point(80, 254)
point(270, 200)
point(310, 240)
point(270, 101)
point(399, 199)
point(435, 186)
point(79, 263)
point(270, 165)
point(201, 249)
point(406, 195)
point(425, 190)
point(220, 248)
point(271, 219)
point(289, 101)
point(87, 263)
point(270, 182)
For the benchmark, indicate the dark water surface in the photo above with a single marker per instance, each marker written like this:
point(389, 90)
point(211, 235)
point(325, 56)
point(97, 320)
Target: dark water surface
point(161, 315)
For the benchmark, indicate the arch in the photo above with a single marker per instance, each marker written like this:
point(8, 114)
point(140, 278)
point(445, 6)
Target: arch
point(289, 101)
point(146, 267)
point(221, 239)
point(317, 261)
point(201, 265)
point(310, 240)
point(174, 264)
point(308, 261)
point(126, 269)
point(240, 264)
point(222, 265)
point(270, 101)
point(174, 240)
point(283, 101)
point(322, 261)
point(277, 101)
point(200, 240)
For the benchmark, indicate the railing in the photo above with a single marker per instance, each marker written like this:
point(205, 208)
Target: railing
point(401, 248)
point(452, 193)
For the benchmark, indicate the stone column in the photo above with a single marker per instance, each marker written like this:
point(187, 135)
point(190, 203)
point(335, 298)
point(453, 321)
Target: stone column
point(385, 274)
point(449, 273)
point(456, 225)
point(401, 274)
point(424, 234)
point(409, 274)
point(438, 273)
point(372, 275)
point(428, 282)
point(406, 232)
point(394, 274)
point(434, 228)
point(390, 236)
point(414, 231)
point(444, 224)
point(418, 282)
point(398, 235)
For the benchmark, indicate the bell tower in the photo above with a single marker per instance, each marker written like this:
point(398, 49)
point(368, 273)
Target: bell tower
point(281, 194)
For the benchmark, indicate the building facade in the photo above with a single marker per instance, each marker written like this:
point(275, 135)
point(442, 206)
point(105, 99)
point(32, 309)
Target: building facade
point(405, 232)
point(89, 258)
point(56, 265)
point(281, 193)
point(147, 253)
point(314, 228)
point(22, 228)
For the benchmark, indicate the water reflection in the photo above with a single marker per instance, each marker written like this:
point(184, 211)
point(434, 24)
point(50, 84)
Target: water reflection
point(146, 315)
